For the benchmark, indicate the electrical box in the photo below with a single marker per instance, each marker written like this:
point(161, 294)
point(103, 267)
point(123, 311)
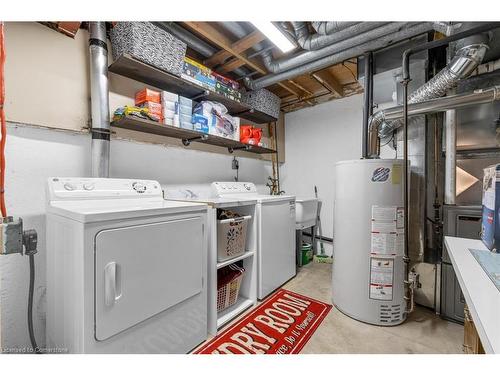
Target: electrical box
point(11, 235)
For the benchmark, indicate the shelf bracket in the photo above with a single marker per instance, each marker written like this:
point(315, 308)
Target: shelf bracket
point(246, 147)
point(187, 141)
point(250, 110)
point(202, 95)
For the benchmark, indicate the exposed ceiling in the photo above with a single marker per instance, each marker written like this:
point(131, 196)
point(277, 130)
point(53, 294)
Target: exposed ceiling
point(333, 82)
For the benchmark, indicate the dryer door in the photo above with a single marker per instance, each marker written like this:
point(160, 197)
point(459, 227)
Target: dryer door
point(143, 270)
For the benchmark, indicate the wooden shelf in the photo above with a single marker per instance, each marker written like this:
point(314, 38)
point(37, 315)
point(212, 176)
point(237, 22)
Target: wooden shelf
point(187, 136)
point(130, 67)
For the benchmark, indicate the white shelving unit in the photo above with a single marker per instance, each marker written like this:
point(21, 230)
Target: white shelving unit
point(234, 260)
point(248, 289)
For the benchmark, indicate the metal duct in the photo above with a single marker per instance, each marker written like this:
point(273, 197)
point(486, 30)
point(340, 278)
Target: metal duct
point(475, 97)
point(99, 99)
point(350, 42)
point(465, 61)
point(317, 41)
point(338, 57)
point(330, 27)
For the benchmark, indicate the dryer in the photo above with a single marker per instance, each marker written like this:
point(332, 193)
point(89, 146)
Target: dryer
point(126, 269)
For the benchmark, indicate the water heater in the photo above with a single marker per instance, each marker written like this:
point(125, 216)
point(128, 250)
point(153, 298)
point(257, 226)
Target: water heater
point(368, 267)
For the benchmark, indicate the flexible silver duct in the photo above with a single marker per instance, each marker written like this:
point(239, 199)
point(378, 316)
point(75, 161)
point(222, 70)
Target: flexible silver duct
point(330, 26)
point(316, 41)
point(99, 99)
point(281, 65)
point(338, 57)
point(461, 66)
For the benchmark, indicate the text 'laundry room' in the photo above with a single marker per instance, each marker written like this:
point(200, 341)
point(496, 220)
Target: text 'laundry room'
point(250, 186)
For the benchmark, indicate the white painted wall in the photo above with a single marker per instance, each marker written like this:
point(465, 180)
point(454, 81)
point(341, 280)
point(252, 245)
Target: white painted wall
point(317, 138)
point(34, 154)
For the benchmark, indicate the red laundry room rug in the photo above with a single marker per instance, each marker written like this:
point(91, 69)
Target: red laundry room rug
point(282, 324)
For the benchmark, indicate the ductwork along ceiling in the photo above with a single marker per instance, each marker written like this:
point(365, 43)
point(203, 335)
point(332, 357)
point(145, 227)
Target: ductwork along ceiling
point(322, 67)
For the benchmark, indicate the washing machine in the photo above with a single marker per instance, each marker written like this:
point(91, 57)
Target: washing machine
point(275, 216)
point(126, 269)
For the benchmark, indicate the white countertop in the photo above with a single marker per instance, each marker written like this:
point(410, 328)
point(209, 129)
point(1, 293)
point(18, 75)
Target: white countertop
point(481, 295)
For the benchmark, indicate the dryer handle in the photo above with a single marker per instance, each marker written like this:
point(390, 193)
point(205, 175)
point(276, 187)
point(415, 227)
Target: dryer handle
point(112, 284)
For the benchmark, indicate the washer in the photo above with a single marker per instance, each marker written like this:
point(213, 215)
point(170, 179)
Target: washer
point(275, 233)
point(126, 269)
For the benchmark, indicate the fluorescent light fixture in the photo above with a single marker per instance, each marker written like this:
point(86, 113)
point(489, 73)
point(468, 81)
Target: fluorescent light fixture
point(275, 35)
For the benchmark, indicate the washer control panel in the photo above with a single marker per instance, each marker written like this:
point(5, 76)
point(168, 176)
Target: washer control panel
point(224, 188)
point(67, 188)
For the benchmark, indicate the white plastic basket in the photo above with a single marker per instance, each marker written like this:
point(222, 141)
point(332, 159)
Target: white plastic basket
point(231, 237)
point(227, 294)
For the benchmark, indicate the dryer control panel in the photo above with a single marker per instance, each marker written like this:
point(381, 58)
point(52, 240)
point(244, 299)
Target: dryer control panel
point(75, 188)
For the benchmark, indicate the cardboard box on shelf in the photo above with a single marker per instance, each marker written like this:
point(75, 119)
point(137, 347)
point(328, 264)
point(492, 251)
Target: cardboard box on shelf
point(199, 74)
point(200, 123)
point(147, 95)
point(490, 227)
point(154, 108)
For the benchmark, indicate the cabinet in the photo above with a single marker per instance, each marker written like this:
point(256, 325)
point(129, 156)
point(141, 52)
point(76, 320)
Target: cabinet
point(472, 342)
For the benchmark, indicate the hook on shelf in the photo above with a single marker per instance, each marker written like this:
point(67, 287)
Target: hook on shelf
point(246, 147)
point(202, 95)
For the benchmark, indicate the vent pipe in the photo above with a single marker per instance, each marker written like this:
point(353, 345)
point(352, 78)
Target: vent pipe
point(330, 27)
point(350, 42)
point(338, 57)
point(99, 99)
point(461, 66)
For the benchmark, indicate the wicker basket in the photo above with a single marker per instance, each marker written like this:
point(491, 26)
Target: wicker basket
point(228, 286)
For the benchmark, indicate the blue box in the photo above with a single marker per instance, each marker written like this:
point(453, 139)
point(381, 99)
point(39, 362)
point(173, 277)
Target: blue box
point(200, 123)
point(490, 227)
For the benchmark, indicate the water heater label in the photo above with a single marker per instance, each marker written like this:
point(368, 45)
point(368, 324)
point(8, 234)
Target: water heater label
point(387, 230)
point(381, 174)
point(381, 278)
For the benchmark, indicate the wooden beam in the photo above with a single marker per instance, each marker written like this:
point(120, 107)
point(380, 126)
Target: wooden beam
point(239, 46)
point(330, 81)
point(231, 65)
point(211, 33)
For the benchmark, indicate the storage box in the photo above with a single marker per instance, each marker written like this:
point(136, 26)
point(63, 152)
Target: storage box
point(150, 44)
point(200, 123)
point(264, 101)
point(147, 95)
point(154, 108)
point(199, 74)
point(490, 227)
point(219, 122)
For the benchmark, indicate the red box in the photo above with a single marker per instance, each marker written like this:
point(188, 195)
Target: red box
point(147, 95)
point(154, 108)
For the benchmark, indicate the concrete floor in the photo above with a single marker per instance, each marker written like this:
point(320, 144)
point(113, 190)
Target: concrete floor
point(423, 332)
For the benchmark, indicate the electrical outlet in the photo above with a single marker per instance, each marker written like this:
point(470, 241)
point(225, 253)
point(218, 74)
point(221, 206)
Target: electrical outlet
point(235, 164)
point(11, 236)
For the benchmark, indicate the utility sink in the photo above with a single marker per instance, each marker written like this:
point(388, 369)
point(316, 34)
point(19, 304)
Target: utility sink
point(306, 211)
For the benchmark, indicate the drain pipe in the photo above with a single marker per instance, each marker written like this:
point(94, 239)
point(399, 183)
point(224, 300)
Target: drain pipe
point(99, 99)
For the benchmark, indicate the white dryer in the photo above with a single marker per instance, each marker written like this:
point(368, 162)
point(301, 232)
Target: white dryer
point(126, 269)
point(275, 233)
